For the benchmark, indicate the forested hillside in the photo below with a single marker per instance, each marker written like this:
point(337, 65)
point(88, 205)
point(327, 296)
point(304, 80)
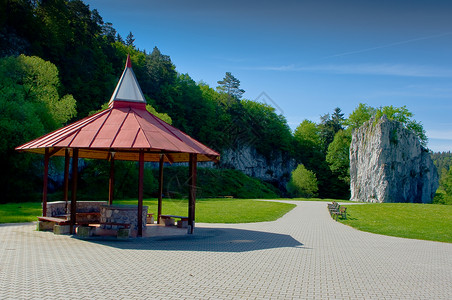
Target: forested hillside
point(64, 47)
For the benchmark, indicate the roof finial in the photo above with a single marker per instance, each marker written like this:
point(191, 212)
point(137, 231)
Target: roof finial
point(127, 89)
point(128, 62)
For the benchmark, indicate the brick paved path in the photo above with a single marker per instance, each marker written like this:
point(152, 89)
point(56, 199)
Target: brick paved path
point(303, 255)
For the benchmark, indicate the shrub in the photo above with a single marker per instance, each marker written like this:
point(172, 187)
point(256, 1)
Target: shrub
point(303, 183)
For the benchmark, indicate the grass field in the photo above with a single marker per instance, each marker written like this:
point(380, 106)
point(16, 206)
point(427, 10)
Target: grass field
point(222, 210)
point(207, 210)
point(416, 221)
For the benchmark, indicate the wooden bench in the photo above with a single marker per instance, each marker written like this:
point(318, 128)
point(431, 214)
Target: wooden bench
point(49, 223)
point(336, 210)
point(168, 220)
point(58, 221)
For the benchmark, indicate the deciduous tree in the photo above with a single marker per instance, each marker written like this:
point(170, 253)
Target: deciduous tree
point(303, 183)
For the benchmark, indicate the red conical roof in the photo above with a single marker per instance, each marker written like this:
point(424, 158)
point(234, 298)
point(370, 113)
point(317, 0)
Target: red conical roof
point(126, 127)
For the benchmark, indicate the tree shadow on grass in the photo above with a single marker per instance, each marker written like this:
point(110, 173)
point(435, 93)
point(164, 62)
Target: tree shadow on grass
point(206, 239)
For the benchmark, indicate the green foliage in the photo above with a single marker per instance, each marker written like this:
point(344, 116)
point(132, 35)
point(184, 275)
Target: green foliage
point(130, 40)
point(93, 184)
point(308, 135)
point(360, 115)
point(441, 197)
point(310, 151)
point(267, 130)
point(214, 183)
point(364, 113)
point(442, 160)
point(443, 163)
point(161, 116)
point(415, 221)
point(338, 155)
point(89, 55)
point(230, 86)
point(446, 182)
point(210, 182)
point(30, 106)
point(303, 183)
point(330, 125)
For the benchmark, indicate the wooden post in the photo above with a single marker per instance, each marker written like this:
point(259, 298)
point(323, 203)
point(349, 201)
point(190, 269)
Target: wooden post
point(66, 177)
point(45, 184)
point(159, 206)
point(192, 192)
point(74, 190)
point(140, 193)
point(111, 181)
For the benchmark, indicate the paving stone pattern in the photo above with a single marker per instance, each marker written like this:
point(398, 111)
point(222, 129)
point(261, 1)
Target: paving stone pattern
point(304, 255)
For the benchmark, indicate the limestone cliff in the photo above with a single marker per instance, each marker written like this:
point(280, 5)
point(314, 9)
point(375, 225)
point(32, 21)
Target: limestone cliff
point(388, 164)
point(246, 159)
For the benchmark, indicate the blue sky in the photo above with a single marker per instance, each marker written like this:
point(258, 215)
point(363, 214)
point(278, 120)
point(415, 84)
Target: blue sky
point(307, 57)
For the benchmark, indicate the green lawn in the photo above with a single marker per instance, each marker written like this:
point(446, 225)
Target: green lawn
point(416, 221)
point(207, 210)
point(222, 210)
point(20, 212)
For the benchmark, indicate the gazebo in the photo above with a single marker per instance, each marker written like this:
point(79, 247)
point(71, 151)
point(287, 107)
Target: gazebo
point(124, 131)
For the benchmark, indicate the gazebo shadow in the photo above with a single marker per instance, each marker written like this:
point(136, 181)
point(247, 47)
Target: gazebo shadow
point(207, 239)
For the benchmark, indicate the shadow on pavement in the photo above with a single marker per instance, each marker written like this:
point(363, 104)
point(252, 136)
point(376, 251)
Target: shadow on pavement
point(206, 239)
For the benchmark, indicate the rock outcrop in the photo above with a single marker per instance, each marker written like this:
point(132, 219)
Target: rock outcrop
point(246, 159)
point(388, 164)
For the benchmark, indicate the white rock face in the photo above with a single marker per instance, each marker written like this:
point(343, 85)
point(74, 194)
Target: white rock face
point(388, 164)
point(250, 162)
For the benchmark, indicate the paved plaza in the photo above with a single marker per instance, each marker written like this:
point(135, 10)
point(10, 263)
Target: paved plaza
point(304, 255)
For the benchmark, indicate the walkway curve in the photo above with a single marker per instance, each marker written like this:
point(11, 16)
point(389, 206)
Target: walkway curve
point(303, 255)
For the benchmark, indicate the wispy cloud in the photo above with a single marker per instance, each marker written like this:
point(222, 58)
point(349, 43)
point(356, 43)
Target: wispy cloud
point(440, 134)
point(365, 69)
point(389, 45)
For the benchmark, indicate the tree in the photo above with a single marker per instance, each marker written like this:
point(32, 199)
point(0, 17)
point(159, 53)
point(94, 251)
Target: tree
point(360, 115)
point(330, 125)
point(303, 183)
point(338, 155)
point(309, 145)
point(30, 106)
point(119, 38)
point(231, 86)
point(363, 113)
point(130, 40)
point(265, 128)
point(308, 135)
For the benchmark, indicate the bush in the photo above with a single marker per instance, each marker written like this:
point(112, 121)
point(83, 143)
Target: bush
point(303, 183)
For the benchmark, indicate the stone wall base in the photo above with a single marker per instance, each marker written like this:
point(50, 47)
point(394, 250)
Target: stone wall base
point(62, 229)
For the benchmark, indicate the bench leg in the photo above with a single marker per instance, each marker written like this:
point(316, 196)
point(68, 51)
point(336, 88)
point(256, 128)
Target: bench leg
point(61, 229)
point(168, 221)
point(123, 233)
point(85, 231)
point(44, 226)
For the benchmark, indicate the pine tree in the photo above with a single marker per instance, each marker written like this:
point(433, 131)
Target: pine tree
point(231, 86)
point(130, 40)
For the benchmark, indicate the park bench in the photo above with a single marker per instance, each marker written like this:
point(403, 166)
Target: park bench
point(57, 225)
point(336, 210)
point(54, 220)
point(168, 220)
